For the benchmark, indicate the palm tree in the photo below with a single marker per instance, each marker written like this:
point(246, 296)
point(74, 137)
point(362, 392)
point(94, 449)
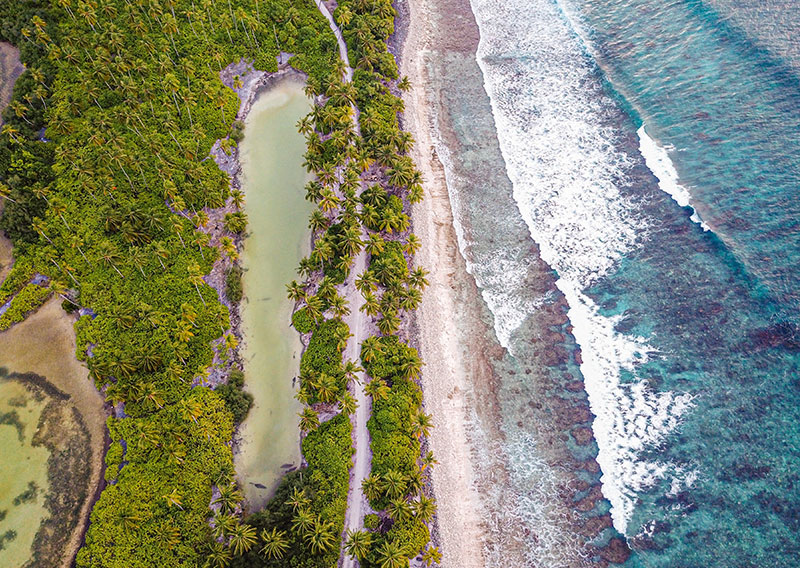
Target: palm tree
point(295, 291)
point(350, 369)
point(326, 390)
point(243, 537)
point(320, 537)
point(395, 484)
point(223, 524)
point(375, 245)
point(414, 482)
point(299, 500)
point(327, 289)
point(417, 278)
point(309, 420)
point(237, 198)
point(228, 498)
point(348, 404)
point(428, 461)
point(341, 334)
point(358, 544)
point(425, 508)
point(366, 282)
point(314, 306)
point(196, 278)
point(318, 221)
point(303, 396)
point(372, 486)
point(412, 366)
point(402, 172)
point(431, 556)
point(399, 510)
point(229, 247)
point(377, 389)
point(328, 202)
point(107, 253)
point(421, 424)
point(218, 556)
point(275, 543)
point(339, 306)
point(351, 241)
point(302, 522)
point(371, 306)
point(415, 193)
point(392, 555)
point(371, 348)
point(412, 244)
point(389, 323)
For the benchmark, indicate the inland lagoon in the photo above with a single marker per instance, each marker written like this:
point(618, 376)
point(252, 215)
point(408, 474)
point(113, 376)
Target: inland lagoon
point(52, 431)
point(273, 178)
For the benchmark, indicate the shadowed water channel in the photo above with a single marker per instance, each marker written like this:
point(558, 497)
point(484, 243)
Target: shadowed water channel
point(273, 180)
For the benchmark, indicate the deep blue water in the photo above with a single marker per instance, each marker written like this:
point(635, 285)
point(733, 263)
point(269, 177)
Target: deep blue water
point(689, 338)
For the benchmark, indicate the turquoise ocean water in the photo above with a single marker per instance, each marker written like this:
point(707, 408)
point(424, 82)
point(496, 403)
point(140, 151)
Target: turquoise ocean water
point(654, 154)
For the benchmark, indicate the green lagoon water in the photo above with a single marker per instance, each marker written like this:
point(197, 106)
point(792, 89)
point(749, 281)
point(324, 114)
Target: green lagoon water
point(273, 180)
point(21, 510)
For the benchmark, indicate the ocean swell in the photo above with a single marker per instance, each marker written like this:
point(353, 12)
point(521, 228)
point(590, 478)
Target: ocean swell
point(566, 170)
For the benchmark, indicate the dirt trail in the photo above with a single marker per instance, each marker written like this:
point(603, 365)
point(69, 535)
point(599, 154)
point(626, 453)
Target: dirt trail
point(357, 505)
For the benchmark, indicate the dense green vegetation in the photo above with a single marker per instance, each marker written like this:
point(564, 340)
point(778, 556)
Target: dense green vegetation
point(300, 526)
point(111, 205)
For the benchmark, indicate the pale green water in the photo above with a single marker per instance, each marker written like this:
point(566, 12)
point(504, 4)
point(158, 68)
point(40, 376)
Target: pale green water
point(21, 465)
point(272, 156)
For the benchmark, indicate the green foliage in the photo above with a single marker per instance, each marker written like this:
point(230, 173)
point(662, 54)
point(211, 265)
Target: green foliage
point(388, 362)
point(113, 461)
point(302, 321)
point(324, 353)
point(390, 265)
point(328, 452)
point(371, 521)
point(233, 284)
point(21, 273)
point(236, 399)
point(131, 100)
point(29, 298)
point(235, 222)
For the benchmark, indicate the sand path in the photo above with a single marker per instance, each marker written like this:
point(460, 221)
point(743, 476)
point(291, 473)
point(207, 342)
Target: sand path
point(357, 504)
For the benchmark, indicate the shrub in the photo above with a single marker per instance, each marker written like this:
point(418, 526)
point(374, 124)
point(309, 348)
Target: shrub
point(236, 398)
point(371, 521)
point(233, 284)
point(302, 321)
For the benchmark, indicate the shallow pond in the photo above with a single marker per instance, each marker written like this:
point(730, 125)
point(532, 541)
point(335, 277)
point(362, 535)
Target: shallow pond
point(273, 180)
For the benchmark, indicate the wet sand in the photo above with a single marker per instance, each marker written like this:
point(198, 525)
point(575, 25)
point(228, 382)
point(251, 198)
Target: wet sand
point(518, 483)
point(44, 344)
point(10, 70)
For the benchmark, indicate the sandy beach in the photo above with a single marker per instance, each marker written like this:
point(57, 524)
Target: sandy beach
point(447, 322)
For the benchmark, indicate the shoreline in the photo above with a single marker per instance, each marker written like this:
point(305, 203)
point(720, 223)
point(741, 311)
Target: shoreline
point(493, 408)
point(447, 392)
point(65, 373)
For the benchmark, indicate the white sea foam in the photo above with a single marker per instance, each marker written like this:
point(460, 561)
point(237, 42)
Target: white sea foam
point(658, 161)
point(501, 276)
point(565, 170)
